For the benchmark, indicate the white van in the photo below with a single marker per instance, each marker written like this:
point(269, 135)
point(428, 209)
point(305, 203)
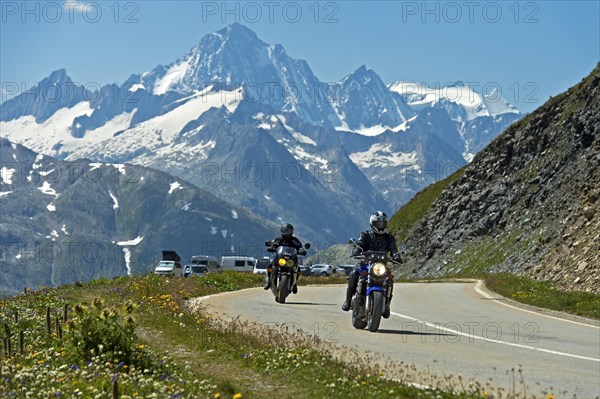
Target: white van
point(170, 265)
point(238, 263)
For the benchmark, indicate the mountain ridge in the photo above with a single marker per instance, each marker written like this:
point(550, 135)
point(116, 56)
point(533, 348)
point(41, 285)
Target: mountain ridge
point(75, 221)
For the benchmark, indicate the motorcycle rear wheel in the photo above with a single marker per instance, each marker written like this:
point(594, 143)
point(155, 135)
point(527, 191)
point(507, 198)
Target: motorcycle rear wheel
point(357, 322)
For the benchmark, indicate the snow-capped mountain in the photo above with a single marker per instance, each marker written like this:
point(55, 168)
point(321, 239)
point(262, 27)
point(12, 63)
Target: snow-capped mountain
point(481, 117)
point(243, 120)
point(248, 154)
point(459, 99)
point(235, 57)
point(365, 105)
point(51, 94)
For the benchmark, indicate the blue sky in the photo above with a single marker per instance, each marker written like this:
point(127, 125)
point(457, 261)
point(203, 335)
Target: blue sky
point(529, 49)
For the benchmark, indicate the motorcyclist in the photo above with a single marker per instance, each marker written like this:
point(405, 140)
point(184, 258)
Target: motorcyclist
point(286, 239)
point(376, 239)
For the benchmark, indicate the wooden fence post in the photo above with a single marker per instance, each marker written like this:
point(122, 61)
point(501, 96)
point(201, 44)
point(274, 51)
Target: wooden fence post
point(115, 390)
point(8, 343)
point(48, 323)
point(21, 343)
point(57, 328)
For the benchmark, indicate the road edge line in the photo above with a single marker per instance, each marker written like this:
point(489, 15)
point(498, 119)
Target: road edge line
point(481, 288)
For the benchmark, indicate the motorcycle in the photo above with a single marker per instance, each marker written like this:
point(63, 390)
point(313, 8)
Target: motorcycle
point(368, 303)
point(285, 266)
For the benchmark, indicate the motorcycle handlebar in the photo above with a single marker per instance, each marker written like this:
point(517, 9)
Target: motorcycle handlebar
point(364, 257)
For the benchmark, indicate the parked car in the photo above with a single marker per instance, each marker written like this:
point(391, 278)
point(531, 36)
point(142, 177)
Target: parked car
point(321, 270)
point(305, 270)
point(206, 260)
point(261, 266)
point(195, 270)
point(346, 269)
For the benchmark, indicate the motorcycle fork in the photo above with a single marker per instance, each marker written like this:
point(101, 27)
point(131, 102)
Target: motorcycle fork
point(367, 297)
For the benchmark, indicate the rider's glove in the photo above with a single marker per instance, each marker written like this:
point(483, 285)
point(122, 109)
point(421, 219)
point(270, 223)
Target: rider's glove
point(396, 258)
point(302, 251)
point(357, 251)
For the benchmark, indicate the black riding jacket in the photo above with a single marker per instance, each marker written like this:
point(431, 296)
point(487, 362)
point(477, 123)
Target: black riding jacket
point(369, 241)
point(288, 242)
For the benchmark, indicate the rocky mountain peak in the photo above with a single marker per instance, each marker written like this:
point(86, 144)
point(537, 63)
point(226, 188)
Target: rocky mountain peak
point(59, 77)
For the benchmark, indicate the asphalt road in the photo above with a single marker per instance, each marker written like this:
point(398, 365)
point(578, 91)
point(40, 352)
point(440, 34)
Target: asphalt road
point(447, 334)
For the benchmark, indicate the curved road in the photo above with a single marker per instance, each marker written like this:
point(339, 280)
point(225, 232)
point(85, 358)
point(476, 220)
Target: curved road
point(445, 330)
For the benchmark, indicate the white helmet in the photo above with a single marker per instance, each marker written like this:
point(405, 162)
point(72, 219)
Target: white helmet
point(379, 222)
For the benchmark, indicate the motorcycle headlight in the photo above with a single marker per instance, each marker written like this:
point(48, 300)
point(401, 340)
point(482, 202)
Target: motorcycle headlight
point(379, 269)
point(281, 262)
point(290, 263)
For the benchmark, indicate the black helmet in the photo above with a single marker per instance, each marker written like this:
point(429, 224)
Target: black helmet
point(287, 230)
point(379, 222)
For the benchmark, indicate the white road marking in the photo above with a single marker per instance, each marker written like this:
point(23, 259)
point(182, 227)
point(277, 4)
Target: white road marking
point(494, 340)
point(485, 294)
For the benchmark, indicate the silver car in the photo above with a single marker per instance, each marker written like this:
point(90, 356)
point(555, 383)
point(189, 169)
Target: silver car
point(321, 270)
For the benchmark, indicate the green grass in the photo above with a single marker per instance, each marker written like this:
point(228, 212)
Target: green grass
point(478, 258)
point(545, 295)
point(407, 216)
point(140, 332)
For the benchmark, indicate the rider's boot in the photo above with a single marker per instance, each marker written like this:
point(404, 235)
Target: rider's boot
point(268, 284)
point(348, 302)
point(352, 284)
point(295, 286)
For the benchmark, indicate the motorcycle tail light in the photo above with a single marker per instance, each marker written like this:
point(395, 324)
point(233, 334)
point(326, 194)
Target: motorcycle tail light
point(379, 269)
point(281, 262)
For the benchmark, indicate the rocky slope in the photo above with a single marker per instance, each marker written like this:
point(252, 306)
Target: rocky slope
point(527, 204)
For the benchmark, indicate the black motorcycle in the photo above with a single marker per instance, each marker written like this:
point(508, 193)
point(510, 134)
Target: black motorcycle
point(368, 303)
point(285, 270)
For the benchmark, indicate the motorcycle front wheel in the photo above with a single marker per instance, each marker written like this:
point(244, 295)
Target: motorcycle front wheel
point(283, 288)
point(375, 311)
